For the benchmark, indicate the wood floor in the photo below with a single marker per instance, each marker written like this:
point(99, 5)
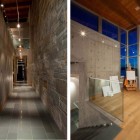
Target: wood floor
point(131, 125)
point(113, 105)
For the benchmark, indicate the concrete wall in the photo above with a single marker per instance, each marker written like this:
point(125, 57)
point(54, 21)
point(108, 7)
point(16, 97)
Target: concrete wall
point(91, 57)
point(6, 62)
point(101, 59)
point(49, 53)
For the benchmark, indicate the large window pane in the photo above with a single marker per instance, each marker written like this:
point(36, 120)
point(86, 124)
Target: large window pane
point(133, 62)
point(132, 35)
point(109, 29)
point(123, 50)
point(123, 36)
point(84, 17)
point(123, 67)
point(133, 50)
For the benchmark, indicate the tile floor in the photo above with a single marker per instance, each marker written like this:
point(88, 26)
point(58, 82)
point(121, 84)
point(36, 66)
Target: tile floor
point(24, 117)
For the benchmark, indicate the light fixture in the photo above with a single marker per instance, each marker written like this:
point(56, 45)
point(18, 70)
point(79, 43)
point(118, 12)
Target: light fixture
point(20, 50)
point(5, 16)
point(103, 41)
point(115, 46)
point(133, 52)
point(83, 33)
point(18, 25)
point(19, 39)
point(2, 5)
point(137, 8)
point(20, 46)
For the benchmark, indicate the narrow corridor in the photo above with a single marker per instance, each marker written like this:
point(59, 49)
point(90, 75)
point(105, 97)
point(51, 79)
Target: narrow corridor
point(24, 117)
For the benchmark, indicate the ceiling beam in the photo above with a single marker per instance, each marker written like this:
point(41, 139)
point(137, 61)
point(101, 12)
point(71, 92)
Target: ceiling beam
point(15, 14)
point(8, 5)
point(24, 19)
point(15, 8)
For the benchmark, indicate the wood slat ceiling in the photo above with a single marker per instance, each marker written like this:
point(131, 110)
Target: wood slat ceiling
point(10, 10)
point(120, 12)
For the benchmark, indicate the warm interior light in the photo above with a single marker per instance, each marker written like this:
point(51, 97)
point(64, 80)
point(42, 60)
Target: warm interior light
point(20, 46)
point(72, 87)
point(20, 50)
point(18, 25)
point(2, 5)
point(83, 33)
point(116, 46)
point(137, 8)
point(103, 41)
point(19, 39)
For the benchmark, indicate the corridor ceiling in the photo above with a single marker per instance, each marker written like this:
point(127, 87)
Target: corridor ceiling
point(125, 13)
point(10, 10)
point(11, 17)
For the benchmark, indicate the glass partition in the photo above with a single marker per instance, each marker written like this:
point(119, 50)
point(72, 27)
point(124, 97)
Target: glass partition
point(108, 95)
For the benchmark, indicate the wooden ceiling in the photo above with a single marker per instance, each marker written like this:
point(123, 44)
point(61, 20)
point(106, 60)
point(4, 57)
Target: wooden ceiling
point(10, 10)
point(120, 12)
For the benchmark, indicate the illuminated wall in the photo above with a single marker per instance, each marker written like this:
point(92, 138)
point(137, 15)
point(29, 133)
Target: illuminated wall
point(74, 91)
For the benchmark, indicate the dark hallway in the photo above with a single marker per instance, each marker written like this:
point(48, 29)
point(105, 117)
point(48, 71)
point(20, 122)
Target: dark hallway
point(33, 69)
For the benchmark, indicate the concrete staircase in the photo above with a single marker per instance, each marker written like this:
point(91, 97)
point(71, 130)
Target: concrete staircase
point(103, 132)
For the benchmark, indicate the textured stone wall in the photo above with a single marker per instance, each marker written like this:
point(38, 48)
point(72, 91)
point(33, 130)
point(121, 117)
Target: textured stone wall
point(101, 59)
point(49, 54)
point(6, 62)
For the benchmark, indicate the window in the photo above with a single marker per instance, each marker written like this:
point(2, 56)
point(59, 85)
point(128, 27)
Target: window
point(133, 50)
point(132, 35)
point(109, 29)
point(123, 50)
point(133, 61)
point(123, 67)
point(84, 17)
point(123, 36)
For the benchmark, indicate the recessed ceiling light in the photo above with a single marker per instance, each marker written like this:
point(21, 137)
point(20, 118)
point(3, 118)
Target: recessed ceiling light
point(2, 5)
point(19, 46)
point(116, 46)
point(19, 39)
point(83, 33)
point(137, 8)
point(18, 25)
point(103, 41)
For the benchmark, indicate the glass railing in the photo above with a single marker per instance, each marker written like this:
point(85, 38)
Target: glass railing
point(75, 118)
point(108, 95)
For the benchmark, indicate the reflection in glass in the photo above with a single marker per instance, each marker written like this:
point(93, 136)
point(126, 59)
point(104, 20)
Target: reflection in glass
point(107, 95)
